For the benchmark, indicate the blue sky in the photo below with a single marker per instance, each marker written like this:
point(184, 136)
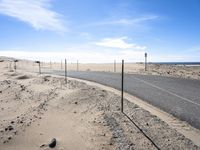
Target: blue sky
point(100, 30)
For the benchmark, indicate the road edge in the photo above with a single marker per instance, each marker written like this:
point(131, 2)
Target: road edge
point(181, 126)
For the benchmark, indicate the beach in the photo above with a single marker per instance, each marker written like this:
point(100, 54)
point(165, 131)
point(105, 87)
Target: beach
point(37, 108)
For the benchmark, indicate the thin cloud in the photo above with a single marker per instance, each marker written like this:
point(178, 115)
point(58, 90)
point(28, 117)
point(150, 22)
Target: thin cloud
point(118, 43)
point(194, 49)
point(34, 12)
point(126, 21)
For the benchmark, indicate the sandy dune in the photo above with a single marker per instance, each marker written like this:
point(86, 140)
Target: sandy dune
point(37, 108)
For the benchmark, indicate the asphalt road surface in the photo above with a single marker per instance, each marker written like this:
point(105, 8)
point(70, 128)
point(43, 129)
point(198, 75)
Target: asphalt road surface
point(179, 97)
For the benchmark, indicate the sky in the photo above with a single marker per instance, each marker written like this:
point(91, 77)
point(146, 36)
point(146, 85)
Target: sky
point(100, 31)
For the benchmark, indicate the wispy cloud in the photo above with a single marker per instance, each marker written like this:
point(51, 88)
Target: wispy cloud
point(126, 21)
point(194, 49)
point(37, 13)
point(119, 43)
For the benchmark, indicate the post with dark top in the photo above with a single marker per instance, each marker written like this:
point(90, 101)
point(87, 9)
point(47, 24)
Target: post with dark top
point(38, 62)
point(122, 88)
point(15, 65)
point(145, 55)
point(65, 71)
point(114, 65)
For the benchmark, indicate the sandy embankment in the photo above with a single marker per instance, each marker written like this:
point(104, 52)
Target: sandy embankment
point(34, 109)
point(191, 72)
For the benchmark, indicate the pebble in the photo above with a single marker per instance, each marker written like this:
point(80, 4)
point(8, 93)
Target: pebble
point(15, 132)
point(43, 145)
point(5, 141)
point(52, 144)
point(110, 143)
point(10, 128)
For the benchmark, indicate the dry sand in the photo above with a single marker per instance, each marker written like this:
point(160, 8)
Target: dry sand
point(34, 109)
point(179, 71)
point(190, 72)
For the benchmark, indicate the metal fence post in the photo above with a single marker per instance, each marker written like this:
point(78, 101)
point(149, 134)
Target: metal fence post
point(61, 65)
point(38, 62)
point(10, 65)
point(65, 71)
point(39, 68)
point(145, 55)
point(15, 65)
point(114, 65)
point(122, 88)
point(50, 65)
point(77, 66)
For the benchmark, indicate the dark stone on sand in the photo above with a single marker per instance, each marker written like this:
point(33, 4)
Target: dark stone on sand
point(52, 144)
point(76, 103)
point(10, 128)
point(23, 77)
point(43, 145)
point(0, 91)
point(15, 132)
point(5, 141)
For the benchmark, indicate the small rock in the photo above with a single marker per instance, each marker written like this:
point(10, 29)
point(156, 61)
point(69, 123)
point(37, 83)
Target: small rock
point(12, 122)
point(9, 138)
point(15, 132)
point(52, 144)
point(76, 103)
point(0, 91)
point(131, 144)
point(10, 128)
point(22, 87)
point(6, 141)
point(43, 145)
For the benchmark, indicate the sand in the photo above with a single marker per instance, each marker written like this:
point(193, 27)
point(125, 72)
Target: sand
point(37, 108)
point(179, 71)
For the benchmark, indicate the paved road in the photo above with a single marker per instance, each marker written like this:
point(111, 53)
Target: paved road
point(180, 97)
